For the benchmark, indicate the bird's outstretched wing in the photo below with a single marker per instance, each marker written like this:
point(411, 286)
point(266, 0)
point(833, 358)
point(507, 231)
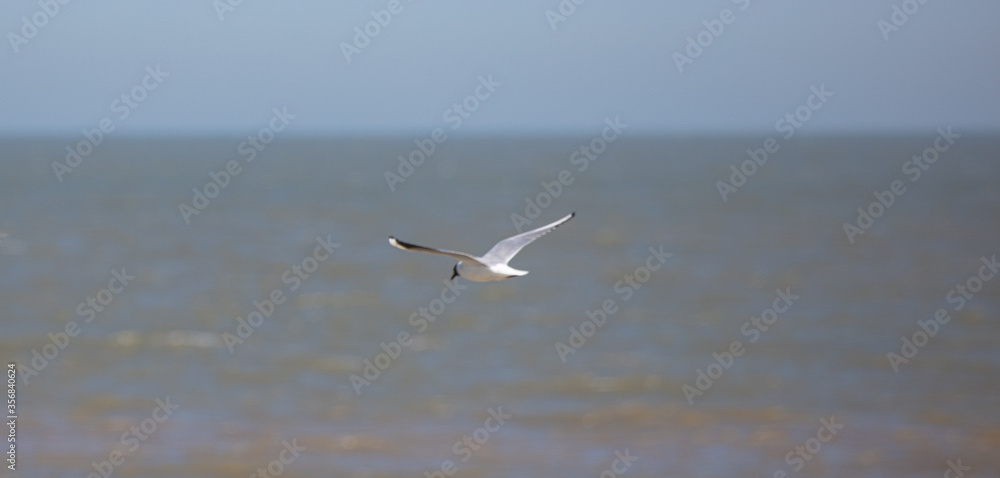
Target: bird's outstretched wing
point(505, 250)
point(406, 246)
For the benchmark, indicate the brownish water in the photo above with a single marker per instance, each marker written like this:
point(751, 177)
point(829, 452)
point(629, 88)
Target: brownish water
point(493, 348)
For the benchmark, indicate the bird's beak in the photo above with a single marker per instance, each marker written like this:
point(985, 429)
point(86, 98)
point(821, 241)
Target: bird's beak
point(454, 272)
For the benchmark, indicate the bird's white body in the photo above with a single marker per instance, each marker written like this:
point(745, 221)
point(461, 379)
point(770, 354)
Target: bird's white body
point(479, 273)
point(492, 266)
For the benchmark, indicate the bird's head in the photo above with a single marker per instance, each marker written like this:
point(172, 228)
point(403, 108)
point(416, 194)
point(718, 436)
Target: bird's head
point(454, 271)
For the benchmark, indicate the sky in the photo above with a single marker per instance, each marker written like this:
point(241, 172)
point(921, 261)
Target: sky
point(216, 67)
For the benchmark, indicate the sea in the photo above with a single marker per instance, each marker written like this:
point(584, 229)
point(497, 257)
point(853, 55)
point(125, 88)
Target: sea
point(813, 306)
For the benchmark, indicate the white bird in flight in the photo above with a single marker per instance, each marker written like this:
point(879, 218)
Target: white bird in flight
point(492, 266)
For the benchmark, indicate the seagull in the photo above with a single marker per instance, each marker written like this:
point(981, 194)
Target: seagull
point(493, 265)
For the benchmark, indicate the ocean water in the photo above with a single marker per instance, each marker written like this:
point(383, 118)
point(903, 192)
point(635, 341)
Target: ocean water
point(164, 376)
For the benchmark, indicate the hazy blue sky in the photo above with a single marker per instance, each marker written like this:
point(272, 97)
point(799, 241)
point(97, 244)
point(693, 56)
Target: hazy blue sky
point(608, 58)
